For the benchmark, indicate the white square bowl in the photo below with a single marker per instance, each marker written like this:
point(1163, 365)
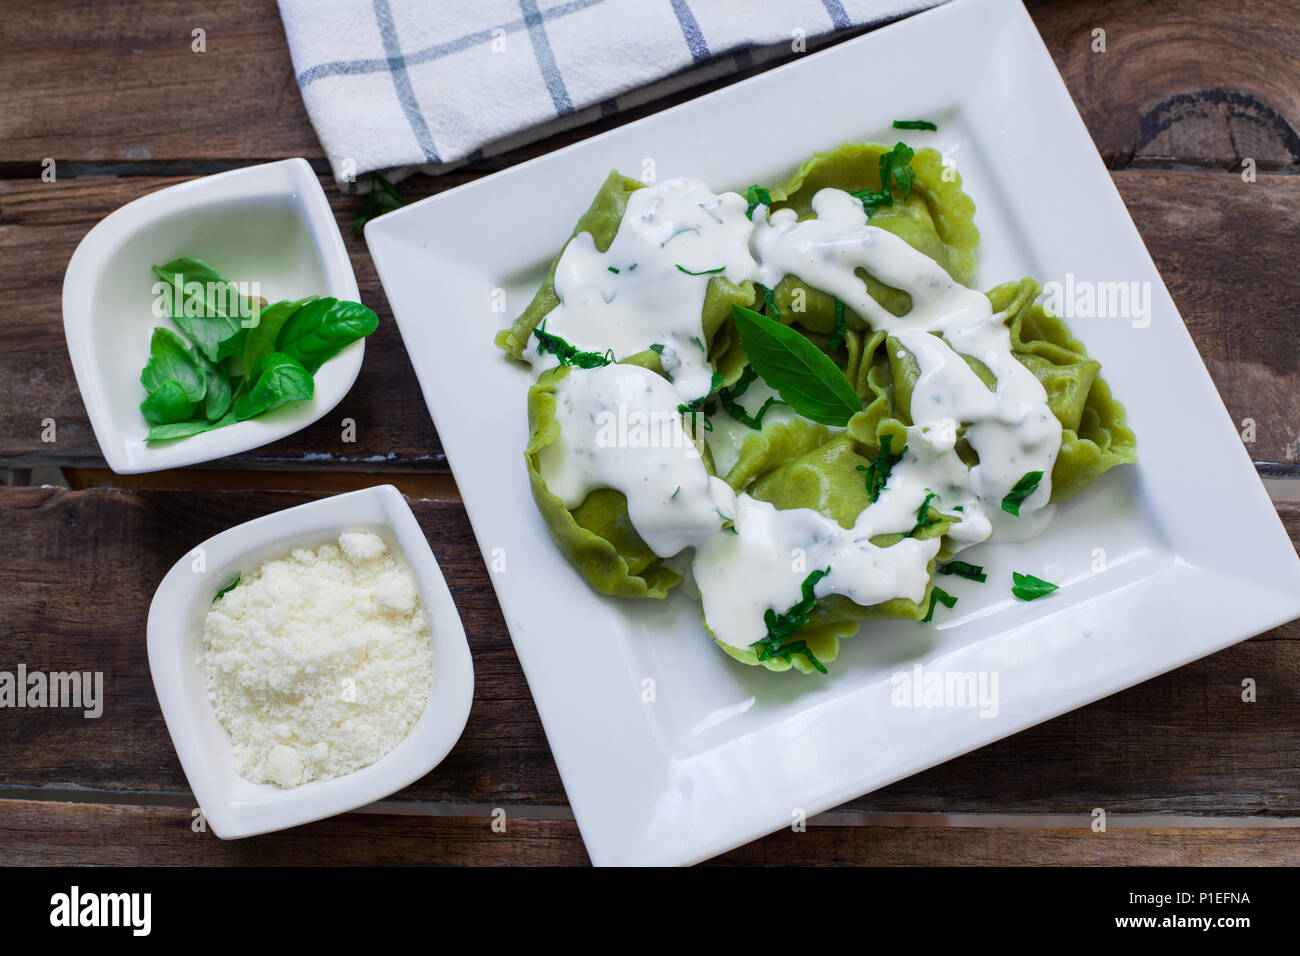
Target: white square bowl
point(269, 224)
point(233, 806)
point(1159, 563)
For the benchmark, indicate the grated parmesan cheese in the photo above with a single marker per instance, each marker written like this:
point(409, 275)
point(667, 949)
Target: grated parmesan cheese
point(319, 663)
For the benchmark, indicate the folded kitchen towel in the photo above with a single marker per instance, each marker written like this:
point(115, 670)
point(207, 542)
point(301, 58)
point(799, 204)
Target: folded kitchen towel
point(401, 85)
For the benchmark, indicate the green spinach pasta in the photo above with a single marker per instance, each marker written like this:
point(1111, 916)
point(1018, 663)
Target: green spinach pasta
point(792, 398)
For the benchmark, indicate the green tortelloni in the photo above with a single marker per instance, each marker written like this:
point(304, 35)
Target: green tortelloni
point(597, 537)
point(798, 464)
point(602, 220)
point(1094, 436)
point(937, 219)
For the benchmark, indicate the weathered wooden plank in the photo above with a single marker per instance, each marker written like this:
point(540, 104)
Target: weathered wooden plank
point(1181, 83)
point(1243, 326)
point(1226, 250)
point(1200, 83)
point(38, 833)
point(77, 596)
point(119, 82)
point(79, 569)
point(50, 834)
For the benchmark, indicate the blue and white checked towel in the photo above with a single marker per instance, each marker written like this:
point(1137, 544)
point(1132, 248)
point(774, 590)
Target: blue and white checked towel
point(401, 85)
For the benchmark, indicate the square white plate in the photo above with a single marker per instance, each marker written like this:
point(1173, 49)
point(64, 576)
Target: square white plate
point(1160, 564)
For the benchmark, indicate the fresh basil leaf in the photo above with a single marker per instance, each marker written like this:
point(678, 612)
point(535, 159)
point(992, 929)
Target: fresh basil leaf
point(278, 379)
point(220, 393)
point(260, 341)
point(971, 572)
point(1028, 588)
point(193, 426)
point(167, 403)
point(801, 374)
point(229, 587)
point(319, 330)
point(915, 124)
point(1022, 489)
point(782, 627)
point(938, 596)
point(172, 360)
point(383, 197)
point(214, 319)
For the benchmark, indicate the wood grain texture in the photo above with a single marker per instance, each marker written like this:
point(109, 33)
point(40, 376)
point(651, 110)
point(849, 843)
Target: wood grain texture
point(111, 82)
point(41, 833)
point(1226, 251)
point(1202, 84)
point(1210, 254)
point(79, 569)
point(1196, 83)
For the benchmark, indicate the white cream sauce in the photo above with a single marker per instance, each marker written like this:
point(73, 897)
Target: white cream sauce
point(634, 294)
point(749, 556)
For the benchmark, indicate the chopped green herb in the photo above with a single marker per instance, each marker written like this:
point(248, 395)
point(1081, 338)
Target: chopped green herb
point(613, 270)
point(229, 587)
point(1027, 587)
point(569, 354)
point(781, 627)
point(383, 197)
point(1023, 488)
point(769, 301)
point(704, 404)
point(972, 572)
point(675, 490)
point(895, 171)
point(700, 342)
point(915, 124)
point(702, 272)
point(657, 348)
point(729, 398)
point(880, 467)
point(801, 374)
point(756, 195)
point(938, 596)
point(923, 519)
point(837, 336)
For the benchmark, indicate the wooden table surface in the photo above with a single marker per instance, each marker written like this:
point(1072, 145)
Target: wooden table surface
point(1186, 772)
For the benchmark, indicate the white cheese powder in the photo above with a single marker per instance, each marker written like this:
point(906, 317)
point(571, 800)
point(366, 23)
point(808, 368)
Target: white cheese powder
point(319, 663)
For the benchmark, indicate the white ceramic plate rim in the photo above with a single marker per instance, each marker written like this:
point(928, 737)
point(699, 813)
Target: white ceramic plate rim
point(636, 802)
point(235, 807)
point(289, 177)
